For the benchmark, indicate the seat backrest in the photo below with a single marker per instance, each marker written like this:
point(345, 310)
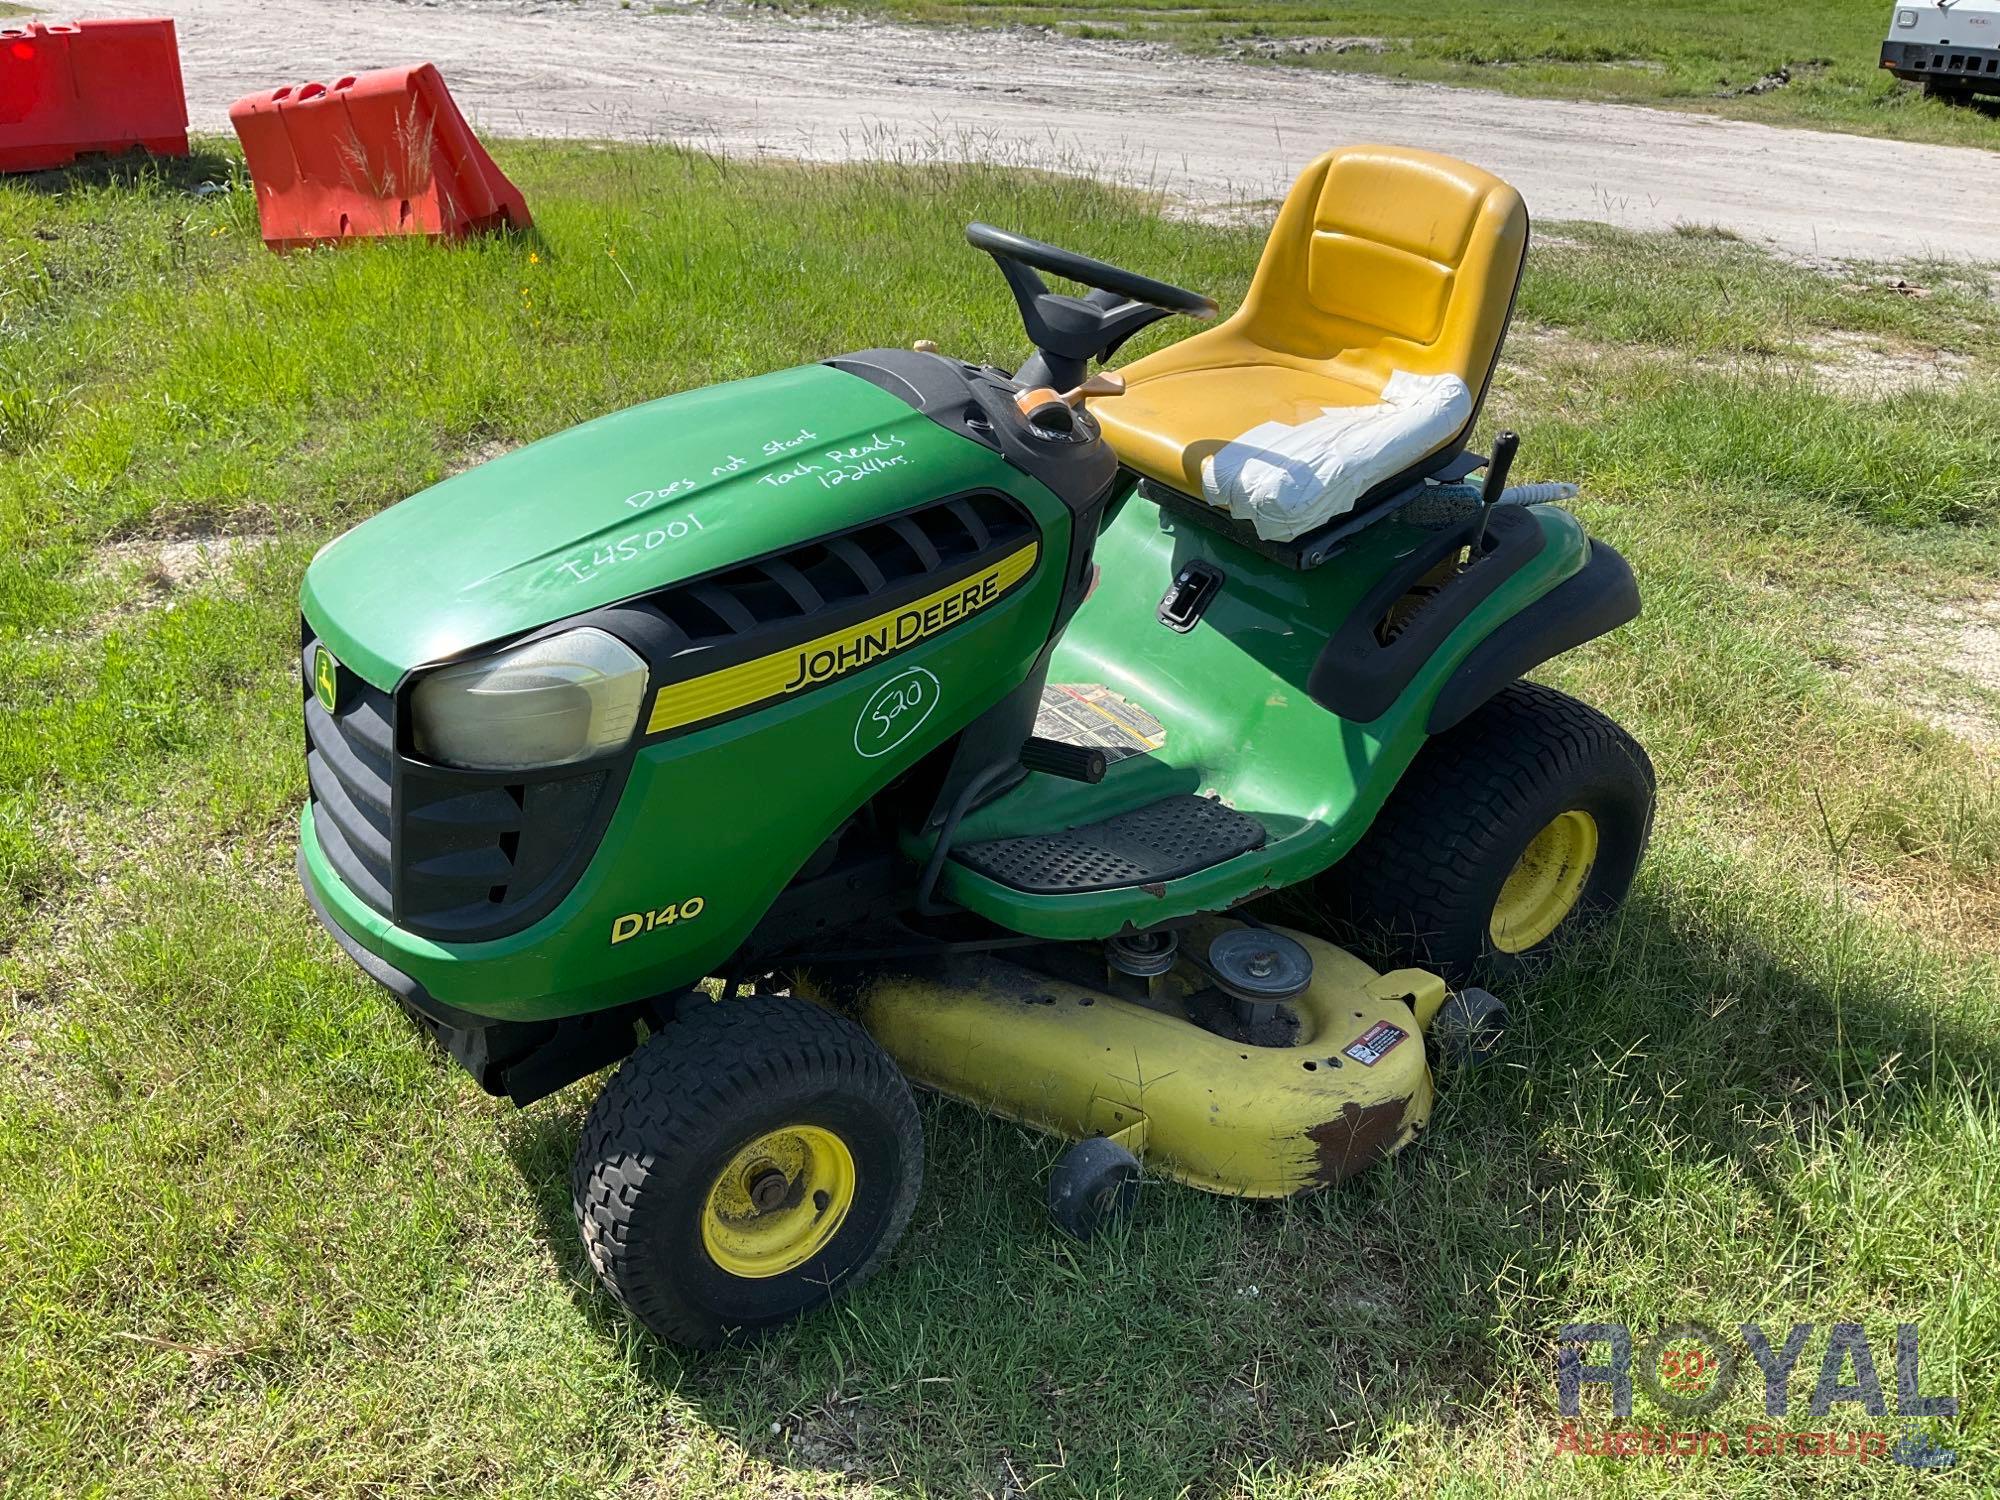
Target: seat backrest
point(1385, 258)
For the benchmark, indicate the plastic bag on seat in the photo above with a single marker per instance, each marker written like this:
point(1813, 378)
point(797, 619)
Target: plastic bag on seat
point(1285, 479)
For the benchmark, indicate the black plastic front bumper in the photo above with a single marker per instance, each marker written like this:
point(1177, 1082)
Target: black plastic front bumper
point(519, 1060)
point(1962, 66)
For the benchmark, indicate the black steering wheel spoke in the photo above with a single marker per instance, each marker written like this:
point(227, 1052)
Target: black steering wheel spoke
point(1068, 332)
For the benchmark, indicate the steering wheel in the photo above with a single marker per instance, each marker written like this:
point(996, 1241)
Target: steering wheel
point(1005, 246)
point(1069, 332)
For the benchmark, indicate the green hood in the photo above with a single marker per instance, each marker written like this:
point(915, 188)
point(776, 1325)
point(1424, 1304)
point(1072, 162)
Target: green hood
point(621, 506)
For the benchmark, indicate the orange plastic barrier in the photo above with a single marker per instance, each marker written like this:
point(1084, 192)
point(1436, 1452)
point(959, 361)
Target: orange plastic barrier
point(88, 87)
point(380, 153)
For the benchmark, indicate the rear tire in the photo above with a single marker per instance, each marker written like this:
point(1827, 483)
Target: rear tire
point(1510, 833)
point(749, 1162)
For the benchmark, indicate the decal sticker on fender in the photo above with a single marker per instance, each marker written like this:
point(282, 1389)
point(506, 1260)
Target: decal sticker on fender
point(635, 922)
point(895, 711)
point(779, 674)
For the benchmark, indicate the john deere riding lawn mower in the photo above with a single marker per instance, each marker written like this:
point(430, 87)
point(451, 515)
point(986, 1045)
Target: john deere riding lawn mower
point(901, 719)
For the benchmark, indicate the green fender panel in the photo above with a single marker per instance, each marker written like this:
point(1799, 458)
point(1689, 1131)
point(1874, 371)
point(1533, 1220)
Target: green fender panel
point(1239, 723)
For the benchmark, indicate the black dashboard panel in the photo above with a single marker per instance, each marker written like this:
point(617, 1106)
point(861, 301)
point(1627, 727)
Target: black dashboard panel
point(977, 402)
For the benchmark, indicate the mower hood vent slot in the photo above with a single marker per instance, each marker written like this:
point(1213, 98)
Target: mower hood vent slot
point(480, 866)
point(367, 727)
point(475, 863)
point(489, 810)
point(833, 573)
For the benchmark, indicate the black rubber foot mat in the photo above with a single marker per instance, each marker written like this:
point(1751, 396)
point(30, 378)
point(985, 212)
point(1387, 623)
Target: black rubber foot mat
point(1170, 838)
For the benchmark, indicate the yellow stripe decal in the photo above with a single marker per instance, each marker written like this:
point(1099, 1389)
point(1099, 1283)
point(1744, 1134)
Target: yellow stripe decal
point(783, 673)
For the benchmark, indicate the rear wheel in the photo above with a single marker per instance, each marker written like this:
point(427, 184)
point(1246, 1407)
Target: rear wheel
point(750, 1161)
point(1510, 832)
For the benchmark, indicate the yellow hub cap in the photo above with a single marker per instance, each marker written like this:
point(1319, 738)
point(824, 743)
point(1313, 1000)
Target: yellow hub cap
point(778, 1202)
point(1545, 882)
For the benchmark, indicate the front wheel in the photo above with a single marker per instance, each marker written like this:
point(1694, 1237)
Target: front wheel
point(750, 1161)
point(1512, 831)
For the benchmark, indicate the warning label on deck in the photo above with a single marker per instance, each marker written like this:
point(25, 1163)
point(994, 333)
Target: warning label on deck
point(1089, 713)
point(1376, 1043)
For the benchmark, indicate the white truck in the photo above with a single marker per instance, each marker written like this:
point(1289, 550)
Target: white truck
point(1951, 47)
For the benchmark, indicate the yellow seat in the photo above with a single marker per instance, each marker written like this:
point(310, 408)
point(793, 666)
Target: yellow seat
point(1382, 259)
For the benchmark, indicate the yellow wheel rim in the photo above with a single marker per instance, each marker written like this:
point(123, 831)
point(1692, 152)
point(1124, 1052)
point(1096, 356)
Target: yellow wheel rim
point(1545, 883)
point(778, 1201)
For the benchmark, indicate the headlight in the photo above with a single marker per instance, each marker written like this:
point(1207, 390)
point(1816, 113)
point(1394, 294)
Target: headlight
point(547, 703)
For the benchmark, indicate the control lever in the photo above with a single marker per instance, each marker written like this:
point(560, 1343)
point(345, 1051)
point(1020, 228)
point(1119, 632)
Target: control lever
point(1504, 447)
point(1042, 397)
point(1103, 383)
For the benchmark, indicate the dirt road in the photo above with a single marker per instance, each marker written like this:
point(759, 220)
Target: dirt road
point(1210, 132)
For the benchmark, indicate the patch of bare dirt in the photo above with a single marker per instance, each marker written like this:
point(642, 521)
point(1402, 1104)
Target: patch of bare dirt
point(1531, 342)
point(1938, 660)
point(1847, 364)
point(1956, 909)
point(1970, 641)
point(482, 453)
point(837, 1433)
point(163, 570)
point(1860, 364)
point(821, 86)
point(176, 565)
point(1310, 46)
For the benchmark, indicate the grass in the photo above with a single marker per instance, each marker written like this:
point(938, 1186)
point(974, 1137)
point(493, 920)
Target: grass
point(256, 1240)
point(1690, 54)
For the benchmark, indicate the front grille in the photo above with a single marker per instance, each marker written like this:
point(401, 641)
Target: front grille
point(465, 856)
point(460, 856)
point(350, 766)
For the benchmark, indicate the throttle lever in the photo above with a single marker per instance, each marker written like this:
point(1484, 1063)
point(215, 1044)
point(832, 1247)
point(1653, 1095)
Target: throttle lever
point(1103, 383)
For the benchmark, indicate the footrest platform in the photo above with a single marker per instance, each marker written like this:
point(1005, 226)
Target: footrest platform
point(1165, 840)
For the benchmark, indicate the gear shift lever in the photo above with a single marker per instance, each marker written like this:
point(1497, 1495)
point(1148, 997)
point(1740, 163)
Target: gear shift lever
point(1497, 466)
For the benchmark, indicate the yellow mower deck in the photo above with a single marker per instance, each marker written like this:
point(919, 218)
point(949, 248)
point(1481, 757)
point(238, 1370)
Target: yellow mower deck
point(1257, 1122)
